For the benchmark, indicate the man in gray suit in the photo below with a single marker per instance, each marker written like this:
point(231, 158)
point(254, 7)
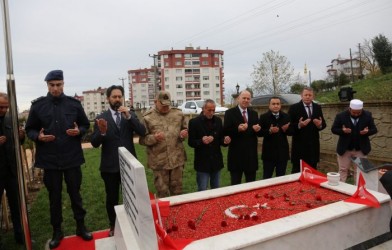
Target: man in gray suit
point(114, 128)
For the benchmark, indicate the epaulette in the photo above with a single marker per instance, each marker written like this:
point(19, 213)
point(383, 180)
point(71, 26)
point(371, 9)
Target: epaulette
point(38, 99)
point(148, 111)
point(73, 98)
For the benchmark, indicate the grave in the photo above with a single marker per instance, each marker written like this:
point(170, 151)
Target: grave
point(338, 225)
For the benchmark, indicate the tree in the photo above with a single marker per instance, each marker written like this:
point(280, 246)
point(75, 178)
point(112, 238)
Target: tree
point(368, 60)
point(272, 75)
point(382, 50)
point(297, 88)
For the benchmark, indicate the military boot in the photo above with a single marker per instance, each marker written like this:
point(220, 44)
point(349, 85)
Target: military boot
point(56, 239)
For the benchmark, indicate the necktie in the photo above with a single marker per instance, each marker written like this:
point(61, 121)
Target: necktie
point(276, 116)
point(355, 122)
point(244, 116)
point(118, 119)
point(309, 111)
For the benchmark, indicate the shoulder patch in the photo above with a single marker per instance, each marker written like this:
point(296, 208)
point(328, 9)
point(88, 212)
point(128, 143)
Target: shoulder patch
point(38, 99)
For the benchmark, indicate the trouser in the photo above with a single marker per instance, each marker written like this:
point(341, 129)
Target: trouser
point(168, 182)
point(53, 180)
point(112, 188)
point(236, 176)
point(269, 167)
point(10, 185)
point(344, 162)
point(202, 179)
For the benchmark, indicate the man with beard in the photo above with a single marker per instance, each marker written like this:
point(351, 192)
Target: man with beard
point(114, 128)
point(56, 124)
point(354, 126)
point(206, 137)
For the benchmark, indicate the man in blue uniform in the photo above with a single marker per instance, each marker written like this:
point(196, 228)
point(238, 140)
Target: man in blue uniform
point(56, 124)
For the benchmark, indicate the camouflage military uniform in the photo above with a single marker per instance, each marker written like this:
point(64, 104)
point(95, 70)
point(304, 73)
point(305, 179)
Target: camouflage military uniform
point(166, 158)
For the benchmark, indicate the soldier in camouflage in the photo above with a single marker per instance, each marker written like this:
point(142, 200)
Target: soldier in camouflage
point(166, 129)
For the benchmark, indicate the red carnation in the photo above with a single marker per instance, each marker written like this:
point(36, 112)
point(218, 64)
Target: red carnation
point(255, 217)
point(223, 223)
point(247, 217)
point(174, 228)
point(318, 198)
point(169, 230)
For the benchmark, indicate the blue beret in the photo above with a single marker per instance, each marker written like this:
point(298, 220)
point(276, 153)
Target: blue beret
point(54, 75)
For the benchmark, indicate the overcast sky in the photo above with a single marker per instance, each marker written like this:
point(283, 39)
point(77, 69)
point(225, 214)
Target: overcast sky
point(96, 42)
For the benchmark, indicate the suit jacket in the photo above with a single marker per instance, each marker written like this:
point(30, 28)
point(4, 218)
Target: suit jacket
point(208, 157)
point(276, 145)
point(306, 140)
point(344, 119)
point(8, 147)
point(116, 138)
point(242, 155)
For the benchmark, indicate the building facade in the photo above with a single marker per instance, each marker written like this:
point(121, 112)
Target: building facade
point(346, 66)
point(189, 74)
point(94, 102)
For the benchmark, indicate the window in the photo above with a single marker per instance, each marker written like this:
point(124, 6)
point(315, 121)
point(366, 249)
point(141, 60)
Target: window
point(216, 55)
point(217, 85)
point(216, 63)
point(206, 85)
point(204, 63)
point(177, 55)
point(143, 85)
point(189, 78)
point(195, 55)
point(188, 63)
point(144, 79)
point(195, 63)
point(178, 63)
point(206, 78)
point(216, 77)
point(166, 79)
point(179, 86)
point(180, 94)
point(206, 92)
point(187, 55)
point(165, 56)
point(166, 64)
point(204, 55)
point(206, 70)
point(166, 71)
point(166, 86)
point(178, 78)
point(178, 71)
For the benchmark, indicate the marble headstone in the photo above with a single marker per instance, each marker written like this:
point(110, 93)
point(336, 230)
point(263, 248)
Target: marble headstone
point(136, 202)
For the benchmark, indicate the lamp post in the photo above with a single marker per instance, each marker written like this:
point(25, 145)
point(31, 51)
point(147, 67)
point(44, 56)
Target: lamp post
point(237, 87)
point(122, 79)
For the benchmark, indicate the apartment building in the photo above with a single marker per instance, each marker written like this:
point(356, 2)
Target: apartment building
point(188, 74)
point(346, 66)
point(94, 102)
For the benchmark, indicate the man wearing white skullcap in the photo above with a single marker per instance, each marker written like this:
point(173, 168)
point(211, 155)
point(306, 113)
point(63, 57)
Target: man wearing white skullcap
point(354, 126)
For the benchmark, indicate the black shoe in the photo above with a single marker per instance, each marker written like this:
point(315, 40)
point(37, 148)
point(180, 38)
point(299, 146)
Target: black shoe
point(81, 231)
point(57, 237)
point(111, 231)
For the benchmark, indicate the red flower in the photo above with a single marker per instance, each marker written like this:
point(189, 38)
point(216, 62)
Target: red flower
point(266, 195)
point(309, 205)
point(255, 217)
point(223, 223)
point(247, 217)
point(318, 198)
point(174, 228)
point(258, 196)
point(191, 224)
point(169, 230)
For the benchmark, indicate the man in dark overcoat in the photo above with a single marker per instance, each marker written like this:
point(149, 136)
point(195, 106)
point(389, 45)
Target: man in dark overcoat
point(306, 122)
point(241, 124)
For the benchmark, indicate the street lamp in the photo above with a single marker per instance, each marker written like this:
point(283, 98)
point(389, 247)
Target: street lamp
point(237, 87)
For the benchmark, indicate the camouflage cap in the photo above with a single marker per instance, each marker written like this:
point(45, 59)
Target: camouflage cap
point(164, 98)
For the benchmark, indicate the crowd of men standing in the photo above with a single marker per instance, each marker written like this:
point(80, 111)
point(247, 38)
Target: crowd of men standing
point(57, 122)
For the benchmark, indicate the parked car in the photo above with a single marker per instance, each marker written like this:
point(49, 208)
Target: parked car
point(285, 99)
point(195, 107)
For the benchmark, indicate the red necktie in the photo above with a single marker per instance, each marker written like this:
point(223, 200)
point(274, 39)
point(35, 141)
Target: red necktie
point(244, 116)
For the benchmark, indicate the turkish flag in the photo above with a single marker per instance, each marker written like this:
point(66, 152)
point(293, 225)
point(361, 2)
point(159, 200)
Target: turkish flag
point(362, 196)
point(164, 207)
point(311, 175)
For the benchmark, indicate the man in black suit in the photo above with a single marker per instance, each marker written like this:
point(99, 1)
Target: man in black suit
point(114, 128)
point(306, 121)
point(275, 150)
point(241, 124)
point(205, 135)
point(354, 126)
point(8, 173)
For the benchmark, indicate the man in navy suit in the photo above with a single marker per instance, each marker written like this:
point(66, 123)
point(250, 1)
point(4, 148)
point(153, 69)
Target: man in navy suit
point(306, 121)
point(354, 126)
point(114, 128)
point(241, 125)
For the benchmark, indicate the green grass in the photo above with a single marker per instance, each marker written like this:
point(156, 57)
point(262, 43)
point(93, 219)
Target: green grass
point(378, 88)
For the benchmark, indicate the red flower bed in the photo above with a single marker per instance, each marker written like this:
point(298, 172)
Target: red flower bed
point(202, 219)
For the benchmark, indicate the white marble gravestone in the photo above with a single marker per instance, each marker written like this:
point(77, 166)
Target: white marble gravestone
point(134, 223)
point(339, 225)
